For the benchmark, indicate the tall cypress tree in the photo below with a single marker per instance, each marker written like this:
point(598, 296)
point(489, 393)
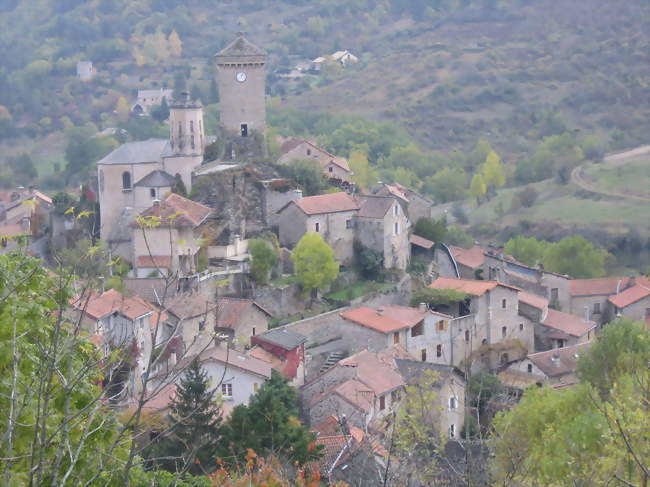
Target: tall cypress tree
point(195, 424)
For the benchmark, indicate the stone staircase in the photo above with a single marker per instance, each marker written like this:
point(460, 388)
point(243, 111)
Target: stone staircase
point(332, 359)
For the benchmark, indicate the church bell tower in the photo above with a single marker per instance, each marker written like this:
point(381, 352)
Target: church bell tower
point(241, 75)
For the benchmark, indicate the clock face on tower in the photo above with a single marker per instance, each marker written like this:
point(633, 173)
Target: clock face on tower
point(241, 77)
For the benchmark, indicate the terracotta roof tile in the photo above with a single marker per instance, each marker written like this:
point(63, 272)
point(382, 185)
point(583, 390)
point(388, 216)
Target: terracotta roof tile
point(421, 241)
point(559, 361)
point(326, 203)
point(161, 261)
point(603, 285)
point(385, 319)
point(374, 206)
point(230, 311)
point(233, 358)
point(533, 300)
point(177, 211)
point(469, 286)
point(472, 258)
point(189, 305)
point(564, 322)
point(99, 306)
point(630, 295)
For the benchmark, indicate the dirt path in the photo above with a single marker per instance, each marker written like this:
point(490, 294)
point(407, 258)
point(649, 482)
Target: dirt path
point(577, 176)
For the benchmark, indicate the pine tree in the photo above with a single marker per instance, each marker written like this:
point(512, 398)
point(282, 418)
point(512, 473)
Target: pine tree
point(195, 426)
point(179, 186)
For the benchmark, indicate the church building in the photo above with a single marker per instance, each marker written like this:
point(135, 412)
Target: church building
point(137, 175)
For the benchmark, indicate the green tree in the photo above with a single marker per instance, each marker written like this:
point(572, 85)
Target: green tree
point(194, 421)
point(434, 230)
point(478, 188)
point(576, 257)
point(83, 149)
point(368, 261)
point(314, 262)
point(363, 175)
point(55, 428)
point(179, 186)
point(437, 298)
point(160, 112)
point(594, 433)
point(264, 258)
point(23, 169)
point(448, 184)
point(527, 250)
point(272, 414)
point(306, 173)
point(493, 175)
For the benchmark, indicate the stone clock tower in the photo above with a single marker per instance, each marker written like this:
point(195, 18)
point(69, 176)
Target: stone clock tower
point(241, 74)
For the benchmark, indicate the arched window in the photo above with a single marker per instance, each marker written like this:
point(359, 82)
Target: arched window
point(126, 180)
point(192, 142)
point(438, 350)
point(453, 404)
point(467, 336)
point(192, 126)
point(530, 368)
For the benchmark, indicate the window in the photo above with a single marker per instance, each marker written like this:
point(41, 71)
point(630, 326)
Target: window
point(256, 387)
point(202, 325)
point(418, 329)
point(395, 210)
point(504, 331)
point(152, 192)
point(560, 343)
point(126, 180)
point(453, 403)
point(423, 354)
point(192, 126)
point(438, 351)
point(244, 130)
point(467, 336)
point(331, 169)
point(530, 368)
point(180, 129)
point(504, 303)
point(452, 431)
point(309, 152)
point(596, 308)
point(382, 403)
point(521, 327)
point(554, 294)
point(349, 224)
point(396, 229)
point(396, 337)
point(253, 331)
point(192, 142)
point(200, 126)
point(317, 226)
point(440, 325)
point(226, 390)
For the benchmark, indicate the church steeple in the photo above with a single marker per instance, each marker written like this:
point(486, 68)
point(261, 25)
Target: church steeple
point(186, 133)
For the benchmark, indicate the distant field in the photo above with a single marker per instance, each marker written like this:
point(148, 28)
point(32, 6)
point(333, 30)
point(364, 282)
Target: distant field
point(566, 205)
point(628, 176)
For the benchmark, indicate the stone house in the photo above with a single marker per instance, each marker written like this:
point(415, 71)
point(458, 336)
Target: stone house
point(166, 238)
point(117, 321)
point(331, 215)
point(382, 226)
point(333, 167)
point(85, 70)
point(633, 303)
point(553, 367)
point(364, 387)
point(415, 205)
point(470, 261)
point(376, 222)
point(28, 208)
point(592, 296)
point(450, 392)
point(344, 57)
point(488, 322)
point(192, 317)
point(284, 350)
point(147, 99)
point(559, 329)
point(241, 319)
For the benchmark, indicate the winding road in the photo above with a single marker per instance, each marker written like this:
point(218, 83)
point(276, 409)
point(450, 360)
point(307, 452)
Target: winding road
point(619, 159)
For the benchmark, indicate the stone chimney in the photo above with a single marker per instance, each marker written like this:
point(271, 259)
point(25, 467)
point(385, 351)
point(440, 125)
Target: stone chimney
point(423, 306)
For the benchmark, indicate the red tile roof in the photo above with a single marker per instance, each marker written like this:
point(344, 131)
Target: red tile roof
point(230, 311)
point(533, 300)
point(569, 324)
point(472, 258)
point(559, 361)
point(385, 319)
point(291, 143)
point(469, 286)
point(161, 261)
point(630, 295)
point(177, 211)
point(189, 305)
point(327, 203)
point(603, 285)
point(99, 306)
point(232, 358)
point(421, 242)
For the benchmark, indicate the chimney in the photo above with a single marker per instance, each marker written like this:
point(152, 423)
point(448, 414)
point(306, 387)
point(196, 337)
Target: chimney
point(380, 311)
point(422, 306)
point(156, 202)
point(586, 308)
